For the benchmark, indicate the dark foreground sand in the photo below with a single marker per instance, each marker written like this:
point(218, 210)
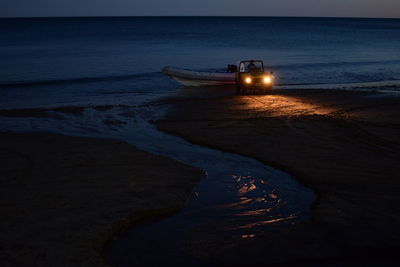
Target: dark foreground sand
point(343, 145)
point(62, 198)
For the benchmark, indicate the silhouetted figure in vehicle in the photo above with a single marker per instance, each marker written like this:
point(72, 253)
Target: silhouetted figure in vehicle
point(252, 68)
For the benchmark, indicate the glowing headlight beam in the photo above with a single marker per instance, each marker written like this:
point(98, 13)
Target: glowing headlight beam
point(267, 80)
point(248, 80)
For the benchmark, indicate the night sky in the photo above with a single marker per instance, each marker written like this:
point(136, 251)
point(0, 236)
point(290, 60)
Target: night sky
point(331, 8)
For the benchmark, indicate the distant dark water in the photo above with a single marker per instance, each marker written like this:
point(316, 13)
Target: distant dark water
point(83, 58)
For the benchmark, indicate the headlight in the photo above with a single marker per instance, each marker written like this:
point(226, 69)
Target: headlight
point(248, 80)
point(267, 79)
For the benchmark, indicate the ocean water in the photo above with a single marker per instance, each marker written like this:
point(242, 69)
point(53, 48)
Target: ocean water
point(52, 61)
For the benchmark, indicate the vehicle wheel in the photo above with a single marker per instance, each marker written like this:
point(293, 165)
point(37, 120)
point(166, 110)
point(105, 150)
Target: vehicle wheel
point(267, 90)
point(242, 90)
point(238, 89)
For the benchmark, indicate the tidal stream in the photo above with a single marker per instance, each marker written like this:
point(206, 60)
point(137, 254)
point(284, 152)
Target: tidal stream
point(239, 198)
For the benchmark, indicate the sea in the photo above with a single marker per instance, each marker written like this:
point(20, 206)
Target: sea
point(59, 61)
point(101, 77)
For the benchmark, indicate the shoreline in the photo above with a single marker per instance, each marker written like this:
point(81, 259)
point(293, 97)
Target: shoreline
point(354, 211)
point(63, 198)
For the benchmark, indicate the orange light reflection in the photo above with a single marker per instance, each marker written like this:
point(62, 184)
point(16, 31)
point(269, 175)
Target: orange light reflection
point(279, 105)
point(248, 236)
point(252, 225)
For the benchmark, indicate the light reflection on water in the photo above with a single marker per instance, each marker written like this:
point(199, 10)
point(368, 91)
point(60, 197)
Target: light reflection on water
point(239, 199)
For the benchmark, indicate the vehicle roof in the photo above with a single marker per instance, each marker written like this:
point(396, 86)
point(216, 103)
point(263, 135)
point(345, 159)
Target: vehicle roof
point(255, 60)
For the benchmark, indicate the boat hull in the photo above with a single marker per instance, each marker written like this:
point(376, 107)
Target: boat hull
point(199, 78)
point(190, 82)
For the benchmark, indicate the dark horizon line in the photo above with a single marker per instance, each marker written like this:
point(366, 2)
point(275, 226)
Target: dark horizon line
point(197, 16)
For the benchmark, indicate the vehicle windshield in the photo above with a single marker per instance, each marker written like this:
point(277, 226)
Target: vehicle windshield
point(249, 66)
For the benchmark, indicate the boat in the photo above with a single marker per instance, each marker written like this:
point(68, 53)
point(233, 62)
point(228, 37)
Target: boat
point(200, 78)
point(247, 75)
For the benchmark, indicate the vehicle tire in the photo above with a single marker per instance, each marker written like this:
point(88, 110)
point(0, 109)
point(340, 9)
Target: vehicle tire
point(238, 89)
point(241, 89)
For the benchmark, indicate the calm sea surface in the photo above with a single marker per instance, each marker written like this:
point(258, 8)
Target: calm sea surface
point(53, 61)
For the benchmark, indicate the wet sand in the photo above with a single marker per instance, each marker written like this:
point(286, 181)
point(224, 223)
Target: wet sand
point(62, 198)
point(343, 145)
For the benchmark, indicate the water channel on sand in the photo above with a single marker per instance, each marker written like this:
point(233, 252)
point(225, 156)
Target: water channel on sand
point(239, 199)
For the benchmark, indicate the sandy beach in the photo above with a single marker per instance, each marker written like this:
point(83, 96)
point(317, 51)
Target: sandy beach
point(343, 145)
point(63, 197)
